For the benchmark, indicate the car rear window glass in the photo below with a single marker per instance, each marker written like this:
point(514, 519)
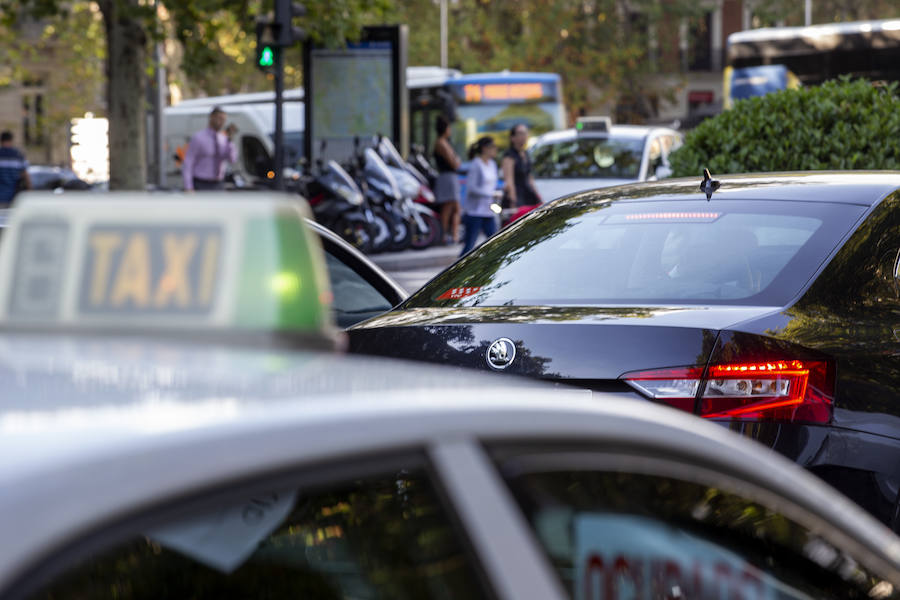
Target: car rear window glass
point(689, 252)
point(634, 535)
point(611, 158)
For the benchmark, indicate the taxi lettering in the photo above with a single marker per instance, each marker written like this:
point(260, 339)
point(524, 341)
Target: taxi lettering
point(612, 577)
point(151, 269)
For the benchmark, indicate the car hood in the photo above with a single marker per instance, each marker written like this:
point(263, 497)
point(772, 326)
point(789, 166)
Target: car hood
point(554, 342)
point(551, 189)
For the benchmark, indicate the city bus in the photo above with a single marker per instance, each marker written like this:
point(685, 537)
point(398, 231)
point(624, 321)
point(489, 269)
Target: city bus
point(768, 59)
point(482, 104)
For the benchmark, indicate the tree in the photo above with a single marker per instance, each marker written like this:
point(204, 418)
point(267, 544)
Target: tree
point(767, 13)
point(206, 27)
point(73, 43)
point(599, 47)
point(219, 42)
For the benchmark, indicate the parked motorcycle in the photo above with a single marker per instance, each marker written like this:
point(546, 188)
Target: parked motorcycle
point(392, 231)
point(427, 229)
point(419, 161)
point(338, 203)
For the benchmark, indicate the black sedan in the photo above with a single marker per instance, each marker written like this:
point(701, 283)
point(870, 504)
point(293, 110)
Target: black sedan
point(771, 306)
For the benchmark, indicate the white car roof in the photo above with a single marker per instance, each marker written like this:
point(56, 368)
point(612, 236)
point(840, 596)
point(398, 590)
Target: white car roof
point(816, 35)
point(114, 425)
point(617, 131)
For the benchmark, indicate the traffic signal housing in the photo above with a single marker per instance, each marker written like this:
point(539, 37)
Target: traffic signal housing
point(267, 48)
point(287, 33)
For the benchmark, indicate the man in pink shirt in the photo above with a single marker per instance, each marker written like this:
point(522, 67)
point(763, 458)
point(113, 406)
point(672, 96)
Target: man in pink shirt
point(204, 162)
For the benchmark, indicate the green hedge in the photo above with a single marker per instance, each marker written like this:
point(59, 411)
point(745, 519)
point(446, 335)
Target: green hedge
point(841, 124)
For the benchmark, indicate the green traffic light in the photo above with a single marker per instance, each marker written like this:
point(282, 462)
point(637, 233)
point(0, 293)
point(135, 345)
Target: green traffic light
point(267, 57)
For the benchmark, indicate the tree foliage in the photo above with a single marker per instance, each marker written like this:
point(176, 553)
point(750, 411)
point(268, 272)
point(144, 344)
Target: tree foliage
point(600, 47)
point(215, 34)
point(769, 13)
point(839, 125)
point(218, 38)
point(72, 41)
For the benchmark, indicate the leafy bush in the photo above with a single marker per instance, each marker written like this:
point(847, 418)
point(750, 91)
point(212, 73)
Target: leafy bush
point(841, 124)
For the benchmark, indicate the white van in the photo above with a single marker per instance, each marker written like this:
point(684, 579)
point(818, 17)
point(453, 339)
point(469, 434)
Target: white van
point(254, 116)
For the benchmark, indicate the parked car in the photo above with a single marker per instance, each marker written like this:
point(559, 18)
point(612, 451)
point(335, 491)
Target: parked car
point(596, 153)
point(770, 306)
point(44, 177)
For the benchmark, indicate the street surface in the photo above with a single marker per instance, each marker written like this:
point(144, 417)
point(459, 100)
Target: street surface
point(414, 268)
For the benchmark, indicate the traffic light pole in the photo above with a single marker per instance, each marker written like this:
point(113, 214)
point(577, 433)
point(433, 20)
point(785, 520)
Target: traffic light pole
point(279, 121)
point(273, 36)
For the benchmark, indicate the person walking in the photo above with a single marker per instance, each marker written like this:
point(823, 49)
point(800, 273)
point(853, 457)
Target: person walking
point(518, 183)
point(446, 188)
point(13, 170)
point(203, 167)
point(481, 183)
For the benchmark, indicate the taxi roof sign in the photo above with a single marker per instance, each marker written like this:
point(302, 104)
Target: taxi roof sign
point(136, 261)
point(593, 124)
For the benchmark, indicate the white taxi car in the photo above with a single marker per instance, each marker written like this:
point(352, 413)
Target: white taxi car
point(596, 153)
point(168, 432)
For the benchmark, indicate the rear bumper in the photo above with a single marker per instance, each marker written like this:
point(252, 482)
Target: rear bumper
point(863, 466)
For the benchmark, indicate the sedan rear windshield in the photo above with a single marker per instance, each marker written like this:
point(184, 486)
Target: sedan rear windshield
point(609, 158)
point(648, 252)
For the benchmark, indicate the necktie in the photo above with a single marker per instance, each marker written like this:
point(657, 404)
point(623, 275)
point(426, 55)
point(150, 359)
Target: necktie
point(217, 155)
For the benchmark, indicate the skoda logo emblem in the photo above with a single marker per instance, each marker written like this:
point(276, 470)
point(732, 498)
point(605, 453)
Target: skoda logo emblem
point(501, 353)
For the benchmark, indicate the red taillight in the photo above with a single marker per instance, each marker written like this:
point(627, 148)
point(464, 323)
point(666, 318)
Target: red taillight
point(780, 390)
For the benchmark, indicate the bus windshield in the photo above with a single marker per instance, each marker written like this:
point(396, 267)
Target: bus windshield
point(483, 104)
point(491, 104)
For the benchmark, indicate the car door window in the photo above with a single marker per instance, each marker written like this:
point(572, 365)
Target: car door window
point(376, 536)
point(355, 299)
point(588, 157)
point(654, 530)
point(256, 158)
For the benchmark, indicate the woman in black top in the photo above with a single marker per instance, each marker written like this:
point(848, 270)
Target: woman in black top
point(446, 188)
point(518, 183)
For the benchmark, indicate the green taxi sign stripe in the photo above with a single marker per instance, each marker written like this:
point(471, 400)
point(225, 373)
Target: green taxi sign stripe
point(279, 281)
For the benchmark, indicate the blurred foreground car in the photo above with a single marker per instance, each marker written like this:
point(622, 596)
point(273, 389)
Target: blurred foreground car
point(597, 153)
point(772, 308)
point(167, 437)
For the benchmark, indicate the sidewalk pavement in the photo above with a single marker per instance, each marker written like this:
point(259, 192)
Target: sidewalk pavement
point(436, 257)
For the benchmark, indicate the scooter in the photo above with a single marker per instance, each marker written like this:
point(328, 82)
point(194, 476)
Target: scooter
point(427, 230)
point(338, 204)
point(392, 231)
point(418, 161)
